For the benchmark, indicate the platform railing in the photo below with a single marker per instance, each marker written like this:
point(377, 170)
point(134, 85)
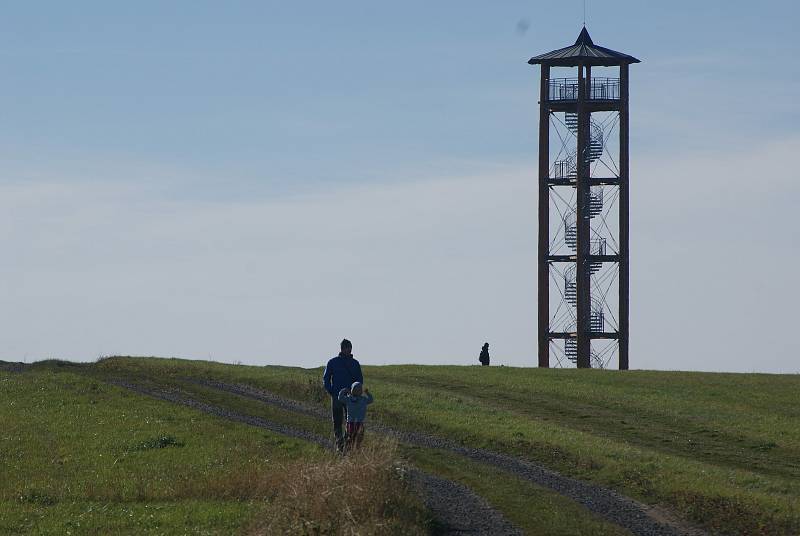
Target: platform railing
point(566, 89)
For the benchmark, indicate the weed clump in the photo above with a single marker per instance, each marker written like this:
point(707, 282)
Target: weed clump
point(160, 442)
point(363, 493)
point(36, 497)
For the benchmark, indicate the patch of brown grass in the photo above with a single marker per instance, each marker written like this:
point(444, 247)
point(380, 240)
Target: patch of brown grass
point(359, 494)
point(732, 515)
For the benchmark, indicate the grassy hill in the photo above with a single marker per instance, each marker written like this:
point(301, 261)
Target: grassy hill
point(79, 453)
point(78, 456)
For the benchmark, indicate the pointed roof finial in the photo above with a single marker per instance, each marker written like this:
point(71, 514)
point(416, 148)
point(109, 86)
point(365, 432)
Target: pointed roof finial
point(584, 38)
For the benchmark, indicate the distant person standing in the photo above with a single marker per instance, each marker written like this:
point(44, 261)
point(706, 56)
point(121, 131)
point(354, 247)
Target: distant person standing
point(340, 373)
point(484, 357)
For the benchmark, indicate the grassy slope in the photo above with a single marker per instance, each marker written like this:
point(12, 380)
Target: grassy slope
point(720, 449)
point(535, 509)
point(723, 450)
point(82, 457)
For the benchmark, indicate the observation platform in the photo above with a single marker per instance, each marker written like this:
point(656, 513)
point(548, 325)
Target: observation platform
point(566, 90)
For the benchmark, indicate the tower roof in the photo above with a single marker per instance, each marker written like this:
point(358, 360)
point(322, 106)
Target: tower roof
point(583, 51)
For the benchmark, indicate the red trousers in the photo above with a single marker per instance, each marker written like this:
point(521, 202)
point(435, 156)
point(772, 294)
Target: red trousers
point(355, 433)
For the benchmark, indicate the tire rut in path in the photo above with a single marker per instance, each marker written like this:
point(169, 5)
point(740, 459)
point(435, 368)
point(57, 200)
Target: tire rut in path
point(623, 511)
point(457, 509)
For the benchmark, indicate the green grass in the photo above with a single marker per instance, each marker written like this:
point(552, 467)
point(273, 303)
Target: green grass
point(78, 456)
point(73, 450)
point(722, 450)
point(533, 508)
point(85, 517)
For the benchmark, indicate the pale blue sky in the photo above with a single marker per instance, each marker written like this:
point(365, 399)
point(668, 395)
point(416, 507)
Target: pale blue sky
point(147, 147)
point(258, 95)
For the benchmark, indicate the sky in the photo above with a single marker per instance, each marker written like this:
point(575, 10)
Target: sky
point(252, 181)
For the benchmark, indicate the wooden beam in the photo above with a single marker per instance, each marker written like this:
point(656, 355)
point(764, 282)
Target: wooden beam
point(591, 106)
point(573, 335)
point(544, 220)
point(594, 181)
point(624, 219)
point(589, 258)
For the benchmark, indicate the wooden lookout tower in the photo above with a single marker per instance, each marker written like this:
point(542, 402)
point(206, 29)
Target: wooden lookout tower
point(583, 205)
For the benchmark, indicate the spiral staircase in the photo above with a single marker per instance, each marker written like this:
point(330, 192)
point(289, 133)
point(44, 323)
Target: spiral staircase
point(597, 324)
point(568, 169)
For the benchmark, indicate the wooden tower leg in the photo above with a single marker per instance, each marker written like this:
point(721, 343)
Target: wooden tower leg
point(544, 222)
point(624, 218)
point(583, 224)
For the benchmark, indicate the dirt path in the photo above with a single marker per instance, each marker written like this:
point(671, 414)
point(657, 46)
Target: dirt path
point(457, 509)
point(634, 516)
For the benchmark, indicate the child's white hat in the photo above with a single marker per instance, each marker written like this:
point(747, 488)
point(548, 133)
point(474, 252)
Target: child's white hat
point(356, 386)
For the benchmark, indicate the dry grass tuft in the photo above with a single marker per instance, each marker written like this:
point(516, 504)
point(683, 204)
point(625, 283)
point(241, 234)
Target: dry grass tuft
point(363, 493)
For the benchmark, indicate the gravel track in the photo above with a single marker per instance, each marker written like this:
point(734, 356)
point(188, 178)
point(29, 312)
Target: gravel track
point(177, 397)
point(634, 516)
point(457, 509)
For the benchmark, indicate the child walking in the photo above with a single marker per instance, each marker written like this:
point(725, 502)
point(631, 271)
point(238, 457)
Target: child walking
point(356, 404)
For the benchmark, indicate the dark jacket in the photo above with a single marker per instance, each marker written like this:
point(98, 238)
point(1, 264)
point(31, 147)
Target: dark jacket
point(340, 373)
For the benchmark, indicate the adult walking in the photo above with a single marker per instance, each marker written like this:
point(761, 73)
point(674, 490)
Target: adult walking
point(340, 373)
